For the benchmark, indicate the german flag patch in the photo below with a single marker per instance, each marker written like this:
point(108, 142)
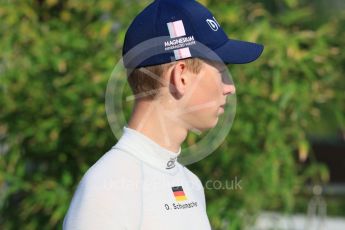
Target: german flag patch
point(179, 193)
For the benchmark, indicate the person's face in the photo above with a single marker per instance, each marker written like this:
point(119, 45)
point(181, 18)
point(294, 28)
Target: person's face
point(205, 96)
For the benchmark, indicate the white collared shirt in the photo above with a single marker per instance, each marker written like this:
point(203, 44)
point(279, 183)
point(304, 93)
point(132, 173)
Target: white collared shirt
point(138, 184)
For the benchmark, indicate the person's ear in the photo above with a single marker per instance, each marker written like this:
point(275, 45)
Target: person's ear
point(178, 79)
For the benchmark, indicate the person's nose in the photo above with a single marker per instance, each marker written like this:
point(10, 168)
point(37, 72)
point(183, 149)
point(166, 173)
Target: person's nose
point(229, 89)
point(228, 85)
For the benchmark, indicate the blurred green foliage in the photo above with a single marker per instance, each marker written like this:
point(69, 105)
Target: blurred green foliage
point(55, 61)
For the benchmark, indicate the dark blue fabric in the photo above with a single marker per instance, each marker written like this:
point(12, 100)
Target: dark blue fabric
point(152, 22)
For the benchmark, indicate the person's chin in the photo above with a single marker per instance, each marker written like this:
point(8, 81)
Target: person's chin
point(211, 124)
point(206, 123)
point(202, 127)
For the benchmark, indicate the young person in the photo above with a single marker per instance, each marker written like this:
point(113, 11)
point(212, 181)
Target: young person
point(139, 183)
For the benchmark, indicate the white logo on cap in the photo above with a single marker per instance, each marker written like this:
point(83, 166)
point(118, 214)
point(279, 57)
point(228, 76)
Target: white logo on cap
point(179, 42)
point(213, 24)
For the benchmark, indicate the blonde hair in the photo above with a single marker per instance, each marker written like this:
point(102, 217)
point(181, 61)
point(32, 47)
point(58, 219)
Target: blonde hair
point(141, 83)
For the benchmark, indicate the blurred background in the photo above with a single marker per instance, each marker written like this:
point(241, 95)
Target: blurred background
point(286, 147)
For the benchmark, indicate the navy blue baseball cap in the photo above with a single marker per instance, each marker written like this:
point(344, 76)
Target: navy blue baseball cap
point(177, 29)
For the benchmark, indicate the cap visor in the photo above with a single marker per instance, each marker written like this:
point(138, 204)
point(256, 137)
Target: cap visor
point(239, 52)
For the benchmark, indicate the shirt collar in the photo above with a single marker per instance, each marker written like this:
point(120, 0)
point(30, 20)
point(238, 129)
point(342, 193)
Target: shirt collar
point(144, 148)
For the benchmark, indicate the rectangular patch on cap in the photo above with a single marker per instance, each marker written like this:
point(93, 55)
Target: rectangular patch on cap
point(176, 29)
point(182, 53)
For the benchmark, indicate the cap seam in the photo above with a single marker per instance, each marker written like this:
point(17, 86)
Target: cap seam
point(220, 45)
point(181, 8)
point(155, 18)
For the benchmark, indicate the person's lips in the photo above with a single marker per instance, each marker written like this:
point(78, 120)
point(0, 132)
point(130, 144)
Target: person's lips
point(222, 108)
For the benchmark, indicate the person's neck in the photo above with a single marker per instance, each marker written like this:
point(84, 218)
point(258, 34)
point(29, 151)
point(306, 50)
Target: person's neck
point(148, 118)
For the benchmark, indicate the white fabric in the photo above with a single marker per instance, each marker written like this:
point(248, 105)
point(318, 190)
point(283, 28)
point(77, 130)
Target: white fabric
point(130, 187)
